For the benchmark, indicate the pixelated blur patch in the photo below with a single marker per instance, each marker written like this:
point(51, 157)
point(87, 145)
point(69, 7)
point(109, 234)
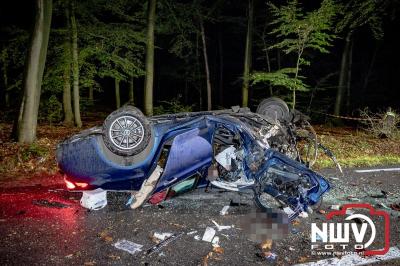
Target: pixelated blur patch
point(260, 225)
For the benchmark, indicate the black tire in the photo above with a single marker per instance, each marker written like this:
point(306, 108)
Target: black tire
point(274, 108)
point(126, 131)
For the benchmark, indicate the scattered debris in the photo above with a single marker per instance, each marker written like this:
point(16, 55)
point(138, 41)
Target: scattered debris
point(158, 237)
point(128, 246)
point(237, 204)
point(395, 206)
point(105, 236)
point(215, 241)
point(51, 204)
point(163, 243)
point(197, 237)
point(292, 249)
point(288, 211)
point(303, 215)
point(191, 232)
point(294, 231)
point(221, 227)
point(224, 210)
point(206, 258)
point(94, 199)
point(335, 207)
point(333, 178)
point(383, 195)
point(266, 245)
point(350, 198)
point(349, 212)
point(208, 234)
point(270, 256)
point(218, 250)
point(380, 204)
point(321, 211)
point(295, 222)
point(303, 259)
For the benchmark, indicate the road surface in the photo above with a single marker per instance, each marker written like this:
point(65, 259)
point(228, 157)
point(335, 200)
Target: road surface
point(42, 224)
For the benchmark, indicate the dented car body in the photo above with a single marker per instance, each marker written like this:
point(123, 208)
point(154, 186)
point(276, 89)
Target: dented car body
point(232, 149)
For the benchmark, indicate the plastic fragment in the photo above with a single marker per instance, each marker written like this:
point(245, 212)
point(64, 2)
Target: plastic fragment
point(221, 227)
point(288, 211)
point(335, 207)
point(162, 236)
point(270, 256)
point(128, 246)
point(215, 241)
point(163, 243)
point(224, 210)
point(94, 199)
point(303, 215)
point(208, 234)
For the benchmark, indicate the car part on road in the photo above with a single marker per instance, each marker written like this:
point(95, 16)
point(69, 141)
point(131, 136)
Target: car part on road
point(128, 246)
point(146, 189)
point(94, 199)
point(163, 243)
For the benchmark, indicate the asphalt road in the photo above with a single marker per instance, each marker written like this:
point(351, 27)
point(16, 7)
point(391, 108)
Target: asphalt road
point(42, 224)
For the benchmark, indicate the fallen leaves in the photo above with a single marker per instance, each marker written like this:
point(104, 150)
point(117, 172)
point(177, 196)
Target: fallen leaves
point(214, 254)
point(105, 236)
point(218, 250)
point(266, 245)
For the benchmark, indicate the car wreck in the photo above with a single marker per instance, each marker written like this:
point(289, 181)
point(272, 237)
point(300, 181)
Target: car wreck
point(269, 152)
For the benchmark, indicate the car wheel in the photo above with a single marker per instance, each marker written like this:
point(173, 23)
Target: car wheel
point(274, 108)
point(126, 131)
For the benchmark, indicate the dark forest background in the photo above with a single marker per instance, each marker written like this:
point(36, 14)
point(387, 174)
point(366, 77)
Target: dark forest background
point(321, 57)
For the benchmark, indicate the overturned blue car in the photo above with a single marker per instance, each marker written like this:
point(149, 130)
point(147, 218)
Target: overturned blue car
point(269, 152)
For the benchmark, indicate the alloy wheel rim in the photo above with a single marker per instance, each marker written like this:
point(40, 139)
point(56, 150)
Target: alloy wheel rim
point(126, 132)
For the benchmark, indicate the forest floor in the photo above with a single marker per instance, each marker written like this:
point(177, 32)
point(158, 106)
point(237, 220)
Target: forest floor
point(352, 147)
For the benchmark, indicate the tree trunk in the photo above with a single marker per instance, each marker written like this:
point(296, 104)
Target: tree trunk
point(148, 87)
point(343, 74)
point(131, 91)
point(278, 59)
point(348, 83)
point(368, 75)
point(117, 96)
point(75, 66)
point(267, 60)
point(247, 56)
point(67, 100)
point(198, 76)
point(91, 97)
point(5, 80)
point(221, 69)
point(34, 68)
point(203, 39)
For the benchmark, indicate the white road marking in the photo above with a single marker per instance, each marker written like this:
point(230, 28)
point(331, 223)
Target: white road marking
point(355, 259)
point(377, 170)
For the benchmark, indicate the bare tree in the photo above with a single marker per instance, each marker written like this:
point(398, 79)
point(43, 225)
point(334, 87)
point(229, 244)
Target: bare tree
point(34, 68)
point(203, 38)
point(67, 100)
point(75, 66)
point(148, 87)
point(247, 56)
